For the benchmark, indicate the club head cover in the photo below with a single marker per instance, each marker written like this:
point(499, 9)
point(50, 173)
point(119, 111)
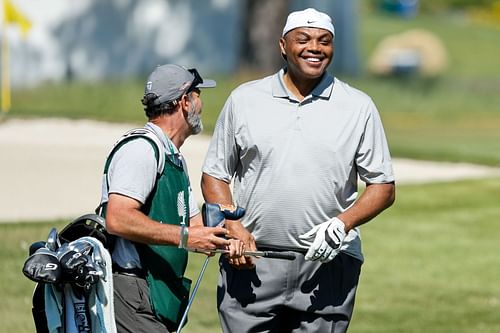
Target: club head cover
point(86, 276)
point(235, 214)
point(43, 266)
point(72, 263)
point(90, 276)
point(78, 269)
point(213, 215)
point(35, 246)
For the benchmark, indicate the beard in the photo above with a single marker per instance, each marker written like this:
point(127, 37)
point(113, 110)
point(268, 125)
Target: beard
point(194, 120)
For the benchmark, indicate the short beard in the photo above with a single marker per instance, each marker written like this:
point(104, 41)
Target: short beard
point(194, 119)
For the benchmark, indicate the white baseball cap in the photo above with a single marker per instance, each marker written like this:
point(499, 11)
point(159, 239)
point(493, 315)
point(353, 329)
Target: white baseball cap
point(310, 18)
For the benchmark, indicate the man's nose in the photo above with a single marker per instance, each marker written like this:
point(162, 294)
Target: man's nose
point(314, 46)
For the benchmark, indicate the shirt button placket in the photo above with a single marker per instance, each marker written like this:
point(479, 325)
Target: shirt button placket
point(298, 116)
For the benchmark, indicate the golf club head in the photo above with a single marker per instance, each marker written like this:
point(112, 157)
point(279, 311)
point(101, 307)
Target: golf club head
point(82, 247)
point(97, 257)
point(53, 240)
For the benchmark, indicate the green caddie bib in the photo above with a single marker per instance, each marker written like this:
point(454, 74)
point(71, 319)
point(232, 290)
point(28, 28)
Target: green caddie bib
point(165, 265)
point(167, 203)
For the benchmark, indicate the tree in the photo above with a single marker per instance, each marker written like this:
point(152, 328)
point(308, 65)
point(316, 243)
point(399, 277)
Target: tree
point(263, 22)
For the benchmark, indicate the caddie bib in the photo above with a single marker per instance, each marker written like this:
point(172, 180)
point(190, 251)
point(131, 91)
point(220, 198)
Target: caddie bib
point(168, 203)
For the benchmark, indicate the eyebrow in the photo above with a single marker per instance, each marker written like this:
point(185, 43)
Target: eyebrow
point(305, 34)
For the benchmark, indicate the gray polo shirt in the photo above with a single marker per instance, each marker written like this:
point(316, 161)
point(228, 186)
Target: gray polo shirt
point(296, 164)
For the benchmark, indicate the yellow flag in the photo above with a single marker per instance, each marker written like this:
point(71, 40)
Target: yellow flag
point(13, 16)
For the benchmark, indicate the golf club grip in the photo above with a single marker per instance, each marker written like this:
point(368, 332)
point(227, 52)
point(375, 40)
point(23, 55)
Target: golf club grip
point(272, 254)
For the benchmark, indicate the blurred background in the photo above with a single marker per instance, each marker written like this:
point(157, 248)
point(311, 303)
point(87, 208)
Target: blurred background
point(432, 68)
point(440, 58)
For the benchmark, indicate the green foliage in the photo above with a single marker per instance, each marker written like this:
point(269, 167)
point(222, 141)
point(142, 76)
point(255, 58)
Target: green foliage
point(431, 266)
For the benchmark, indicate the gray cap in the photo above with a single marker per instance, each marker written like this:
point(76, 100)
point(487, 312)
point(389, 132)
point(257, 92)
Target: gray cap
point(169, 82)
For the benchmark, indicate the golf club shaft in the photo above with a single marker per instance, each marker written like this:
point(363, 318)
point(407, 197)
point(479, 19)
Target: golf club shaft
point(193, 294)
point(264, 254)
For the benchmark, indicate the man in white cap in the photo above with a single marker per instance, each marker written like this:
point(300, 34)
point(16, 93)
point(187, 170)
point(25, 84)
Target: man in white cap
point(295, 144)
point(148, 204)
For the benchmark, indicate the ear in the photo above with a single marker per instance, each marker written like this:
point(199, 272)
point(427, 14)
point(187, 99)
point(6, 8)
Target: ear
point(282, 43)
point(184, 103)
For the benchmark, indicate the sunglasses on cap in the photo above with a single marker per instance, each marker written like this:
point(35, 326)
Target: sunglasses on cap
point(197, 79)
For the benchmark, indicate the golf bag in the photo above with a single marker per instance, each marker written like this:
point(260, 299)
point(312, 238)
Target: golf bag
point(73, 271)
point(66, 267)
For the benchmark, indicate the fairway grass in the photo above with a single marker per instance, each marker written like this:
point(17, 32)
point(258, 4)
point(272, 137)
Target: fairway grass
point(431, 266)
point(432, 262)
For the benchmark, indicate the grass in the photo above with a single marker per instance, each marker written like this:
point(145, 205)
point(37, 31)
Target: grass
point(431, 262)
point(431, 266)
point(447, 122)
point(15, 311)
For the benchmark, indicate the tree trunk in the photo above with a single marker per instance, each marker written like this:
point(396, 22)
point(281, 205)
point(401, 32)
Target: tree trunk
point(263, 23)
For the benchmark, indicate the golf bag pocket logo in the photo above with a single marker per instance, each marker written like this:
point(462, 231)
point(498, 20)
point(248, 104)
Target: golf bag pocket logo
point(51, 267)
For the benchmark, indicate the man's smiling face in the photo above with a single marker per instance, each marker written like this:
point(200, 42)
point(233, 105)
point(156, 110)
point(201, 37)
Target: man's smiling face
point(308, 51)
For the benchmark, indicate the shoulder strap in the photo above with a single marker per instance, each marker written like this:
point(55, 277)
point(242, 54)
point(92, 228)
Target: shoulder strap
point(135, 133)
point(150, 136)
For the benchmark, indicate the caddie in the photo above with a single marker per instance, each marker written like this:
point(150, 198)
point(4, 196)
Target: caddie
point(148, 204)
point(295, 145)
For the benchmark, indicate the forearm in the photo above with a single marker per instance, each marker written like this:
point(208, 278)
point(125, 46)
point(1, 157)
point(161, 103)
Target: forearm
point(375, 199)
point(216, 190)
point(125, 219)
point(130, 223)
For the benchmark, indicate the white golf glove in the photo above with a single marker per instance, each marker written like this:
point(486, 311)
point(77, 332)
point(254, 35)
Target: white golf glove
point(328, 237)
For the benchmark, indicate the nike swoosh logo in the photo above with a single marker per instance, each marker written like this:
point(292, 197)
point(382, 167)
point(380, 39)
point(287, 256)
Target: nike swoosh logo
point(309, 22)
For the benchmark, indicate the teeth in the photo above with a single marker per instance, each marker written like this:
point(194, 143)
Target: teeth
point(313, 59)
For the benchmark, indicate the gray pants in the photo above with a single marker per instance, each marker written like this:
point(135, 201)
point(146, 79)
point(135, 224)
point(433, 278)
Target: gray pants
point(288, 296)
point(133, 311)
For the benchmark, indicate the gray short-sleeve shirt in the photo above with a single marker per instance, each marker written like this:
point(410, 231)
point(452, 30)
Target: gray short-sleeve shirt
point(132, 173)
point(296, 164)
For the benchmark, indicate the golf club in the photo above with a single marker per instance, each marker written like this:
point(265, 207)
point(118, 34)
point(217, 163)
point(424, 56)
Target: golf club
point(264, 254)
point(193, 294)
point(213, 216)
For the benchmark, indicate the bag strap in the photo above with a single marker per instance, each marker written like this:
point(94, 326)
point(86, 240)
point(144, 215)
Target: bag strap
point(141, 133)
point(133, 134)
